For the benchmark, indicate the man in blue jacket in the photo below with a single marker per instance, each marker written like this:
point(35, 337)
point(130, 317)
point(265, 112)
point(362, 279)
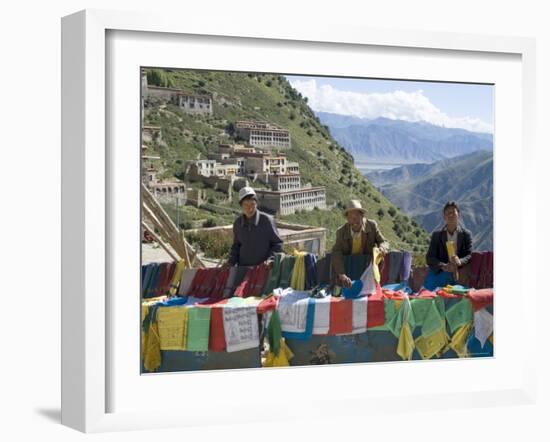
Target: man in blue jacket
point(255, 235)
point(443, 269)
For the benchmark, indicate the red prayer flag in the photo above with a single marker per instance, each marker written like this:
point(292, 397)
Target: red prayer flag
point(341, 316)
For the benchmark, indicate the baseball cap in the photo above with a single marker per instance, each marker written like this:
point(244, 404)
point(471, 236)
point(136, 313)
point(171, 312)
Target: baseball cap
point(246, 191)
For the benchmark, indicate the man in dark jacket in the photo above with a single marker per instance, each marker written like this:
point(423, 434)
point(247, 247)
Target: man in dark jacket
point(358, 236)
point(255, 235)
point(444, 268)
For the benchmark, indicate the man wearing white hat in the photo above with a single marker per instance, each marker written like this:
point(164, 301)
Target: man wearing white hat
point(255, 235)
point(358, 236)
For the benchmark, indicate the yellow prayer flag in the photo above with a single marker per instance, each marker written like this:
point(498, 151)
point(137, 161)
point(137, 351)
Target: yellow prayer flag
point(151, 351)
point(281, 360)
point(458, 341)
point(298, 278)
point(451, 249)
point(376, 259)
point(405, 346)
point(431, 345)
point(172, 326)
point(176, 278)
point(144, 312)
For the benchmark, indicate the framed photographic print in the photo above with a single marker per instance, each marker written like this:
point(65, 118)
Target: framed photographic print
point(250, 207)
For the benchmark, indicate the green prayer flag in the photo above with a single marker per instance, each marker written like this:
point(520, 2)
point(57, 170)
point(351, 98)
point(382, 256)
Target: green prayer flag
point(286, 271)
point(389, 310)
point(440, 304)
point(403, 314)
point(410, 316)
point(198, 329)
point(274, 274)
point(394, 319)
point(433, 321)
point(459, 290)
point(355, 265)
point(460, 314)
point(420, 308)
point(274, 333)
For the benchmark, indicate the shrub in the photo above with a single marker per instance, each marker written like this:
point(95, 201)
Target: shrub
point(214, 244)
point(210, 222)
point(392, 211)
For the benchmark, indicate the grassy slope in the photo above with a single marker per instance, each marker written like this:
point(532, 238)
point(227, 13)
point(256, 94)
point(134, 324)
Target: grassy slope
point(270, 97)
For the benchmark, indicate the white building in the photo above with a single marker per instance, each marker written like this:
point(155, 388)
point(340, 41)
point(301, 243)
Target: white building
point(262, 134)
point(287, 202)
point(284, 182)
point(190, 103)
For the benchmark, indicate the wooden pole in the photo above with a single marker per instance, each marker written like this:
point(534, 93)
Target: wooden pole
point(172, 233)
point(168, 236)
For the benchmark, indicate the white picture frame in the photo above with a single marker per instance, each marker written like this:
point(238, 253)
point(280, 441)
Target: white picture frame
point(87, 211)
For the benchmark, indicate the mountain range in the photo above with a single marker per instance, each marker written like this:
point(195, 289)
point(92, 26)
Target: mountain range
point(383, 140)
point(421, 190)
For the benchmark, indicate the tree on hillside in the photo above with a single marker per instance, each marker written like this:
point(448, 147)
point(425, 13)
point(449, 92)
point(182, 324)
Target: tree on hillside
point(157, 77)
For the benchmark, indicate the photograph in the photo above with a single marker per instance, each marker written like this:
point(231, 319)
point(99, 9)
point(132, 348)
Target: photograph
point(299, 220)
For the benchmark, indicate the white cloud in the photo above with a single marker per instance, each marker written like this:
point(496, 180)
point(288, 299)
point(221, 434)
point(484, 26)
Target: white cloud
point(397, 105)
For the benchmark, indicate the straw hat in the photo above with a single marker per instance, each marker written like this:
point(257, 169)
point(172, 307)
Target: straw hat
point(354, 205)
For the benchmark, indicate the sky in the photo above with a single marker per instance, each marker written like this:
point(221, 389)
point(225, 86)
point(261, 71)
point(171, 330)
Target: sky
point(460, 105)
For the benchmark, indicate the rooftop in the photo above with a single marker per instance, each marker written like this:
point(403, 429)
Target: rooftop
point(286, 192)
point(262, 125)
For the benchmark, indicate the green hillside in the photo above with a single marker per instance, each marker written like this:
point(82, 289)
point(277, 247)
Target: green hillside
point(323, 162)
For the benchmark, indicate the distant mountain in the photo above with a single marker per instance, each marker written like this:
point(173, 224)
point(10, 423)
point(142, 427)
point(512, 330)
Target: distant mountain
point(397, 141)
point(421, 190)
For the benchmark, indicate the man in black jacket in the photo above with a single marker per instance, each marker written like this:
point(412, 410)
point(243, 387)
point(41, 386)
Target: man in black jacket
point(255, 235)
point(444, 268)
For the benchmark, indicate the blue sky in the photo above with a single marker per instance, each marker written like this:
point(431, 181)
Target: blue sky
point(469, 106)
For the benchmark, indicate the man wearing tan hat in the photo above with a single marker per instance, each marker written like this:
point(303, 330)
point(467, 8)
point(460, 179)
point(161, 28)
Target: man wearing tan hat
point(357, 237)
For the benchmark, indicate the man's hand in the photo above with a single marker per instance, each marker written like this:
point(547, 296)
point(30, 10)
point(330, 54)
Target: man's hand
point(345, 281)
point(269, 264)
point(455, 260)
point(449, 267)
